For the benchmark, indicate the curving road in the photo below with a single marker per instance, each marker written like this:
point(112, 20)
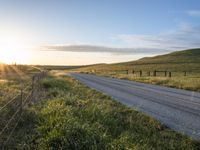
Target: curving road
point(178, 109)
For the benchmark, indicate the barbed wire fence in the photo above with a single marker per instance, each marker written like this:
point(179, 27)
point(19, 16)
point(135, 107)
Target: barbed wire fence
point(15, 107)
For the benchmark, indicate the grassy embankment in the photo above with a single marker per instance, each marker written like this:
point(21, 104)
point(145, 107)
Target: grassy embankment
point(177, 63)
point(76, 117)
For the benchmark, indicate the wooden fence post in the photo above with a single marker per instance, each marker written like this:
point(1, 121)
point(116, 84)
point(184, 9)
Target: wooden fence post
point(149, 73)
point(140, 73)
point(165, 73)
point(170, 74)
point(154, 73)
point(185, 73)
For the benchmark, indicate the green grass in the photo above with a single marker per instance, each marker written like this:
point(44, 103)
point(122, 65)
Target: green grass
point(80, 118)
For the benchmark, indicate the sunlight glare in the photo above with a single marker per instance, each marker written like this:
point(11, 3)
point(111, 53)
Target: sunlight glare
point(13, 48)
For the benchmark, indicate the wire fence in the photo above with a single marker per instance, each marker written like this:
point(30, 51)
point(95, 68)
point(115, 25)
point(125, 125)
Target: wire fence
point(15, 106)
point(146, 73)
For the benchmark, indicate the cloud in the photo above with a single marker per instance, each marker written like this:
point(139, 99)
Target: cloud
point(101, 49)
point(195, 13)
point(184, 37)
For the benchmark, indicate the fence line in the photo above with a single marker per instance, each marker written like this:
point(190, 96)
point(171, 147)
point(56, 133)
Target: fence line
point(165, 73)
point(145, 73)
point(153, 73)
point(23, 101)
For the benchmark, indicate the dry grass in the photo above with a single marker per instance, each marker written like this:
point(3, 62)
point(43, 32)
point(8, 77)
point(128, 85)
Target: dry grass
point(187, 83)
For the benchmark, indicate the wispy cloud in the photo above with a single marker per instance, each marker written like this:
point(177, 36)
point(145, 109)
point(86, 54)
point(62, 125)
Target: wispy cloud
point(195, 13)
point(101, 49)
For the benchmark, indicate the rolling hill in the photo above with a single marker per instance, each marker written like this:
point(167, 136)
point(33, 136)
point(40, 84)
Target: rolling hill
point(185, 56)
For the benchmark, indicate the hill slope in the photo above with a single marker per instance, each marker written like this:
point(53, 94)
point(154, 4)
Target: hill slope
point(185, 56)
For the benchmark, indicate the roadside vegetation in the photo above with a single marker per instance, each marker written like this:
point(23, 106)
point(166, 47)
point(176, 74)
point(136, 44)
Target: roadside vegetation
point(187, 83)
point(72, 116)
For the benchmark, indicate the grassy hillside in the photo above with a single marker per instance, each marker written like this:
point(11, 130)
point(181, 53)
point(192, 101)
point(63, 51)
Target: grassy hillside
point(185, 56)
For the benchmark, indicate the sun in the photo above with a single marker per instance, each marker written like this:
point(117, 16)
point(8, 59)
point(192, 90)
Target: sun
point(13, 48)
point(10, 56)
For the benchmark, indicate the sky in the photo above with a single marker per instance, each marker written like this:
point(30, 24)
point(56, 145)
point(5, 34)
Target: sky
point(76, 32)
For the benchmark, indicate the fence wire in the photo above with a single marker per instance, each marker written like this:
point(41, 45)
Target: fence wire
point(23, 101)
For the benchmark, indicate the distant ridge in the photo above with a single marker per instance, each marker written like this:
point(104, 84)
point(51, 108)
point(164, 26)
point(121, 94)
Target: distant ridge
point(185, 56)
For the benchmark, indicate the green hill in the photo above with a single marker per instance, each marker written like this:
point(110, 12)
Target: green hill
point(185, 56)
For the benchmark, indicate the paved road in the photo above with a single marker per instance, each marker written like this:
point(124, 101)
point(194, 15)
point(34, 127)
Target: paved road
point(178, 109)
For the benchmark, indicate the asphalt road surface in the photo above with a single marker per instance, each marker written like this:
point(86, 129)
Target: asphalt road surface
point(177, 109)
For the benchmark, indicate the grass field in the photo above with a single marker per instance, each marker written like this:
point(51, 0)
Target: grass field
point(72, 116)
